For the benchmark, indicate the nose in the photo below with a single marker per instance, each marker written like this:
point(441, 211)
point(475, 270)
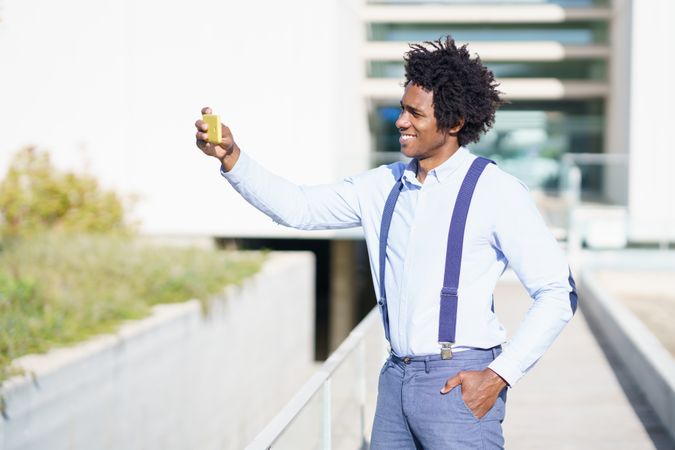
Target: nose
point(403, 121)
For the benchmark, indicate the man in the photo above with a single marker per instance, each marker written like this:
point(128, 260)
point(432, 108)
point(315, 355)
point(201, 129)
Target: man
point(440, 232)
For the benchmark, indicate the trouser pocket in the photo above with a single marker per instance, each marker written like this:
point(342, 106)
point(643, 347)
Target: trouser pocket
point(496, 412)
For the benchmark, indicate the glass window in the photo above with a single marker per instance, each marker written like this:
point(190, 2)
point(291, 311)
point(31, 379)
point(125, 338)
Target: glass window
point(582, 69)
point(578, 33)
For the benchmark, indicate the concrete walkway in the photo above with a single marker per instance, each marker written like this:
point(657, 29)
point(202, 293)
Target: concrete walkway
point(575, 397)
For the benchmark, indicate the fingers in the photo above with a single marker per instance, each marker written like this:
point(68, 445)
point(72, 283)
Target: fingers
point(206, 110)
point(202, 136)
point(201, 125)
point(452, 383)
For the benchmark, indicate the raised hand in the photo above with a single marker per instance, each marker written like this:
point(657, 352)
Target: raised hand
point(227, 151)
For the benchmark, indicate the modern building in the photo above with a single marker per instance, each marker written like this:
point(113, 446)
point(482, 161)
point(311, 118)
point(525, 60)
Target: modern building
point(577, 74)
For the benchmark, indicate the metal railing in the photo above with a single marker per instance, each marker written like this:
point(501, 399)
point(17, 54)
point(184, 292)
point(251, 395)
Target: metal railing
point(578, 228)
point(332, 409)
point(570, 175)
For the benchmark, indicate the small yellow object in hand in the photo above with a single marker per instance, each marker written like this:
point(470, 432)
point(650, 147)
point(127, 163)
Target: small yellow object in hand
point(215, 132)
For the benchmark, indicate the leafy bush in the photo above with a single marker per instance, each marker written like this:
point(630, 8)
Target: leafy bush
point(70, 267)
point(35, 196)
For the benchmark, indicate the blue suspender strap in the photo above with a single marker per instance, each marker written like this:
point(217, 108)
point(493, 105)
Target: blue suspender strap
point(387, 215)
point(453, 259)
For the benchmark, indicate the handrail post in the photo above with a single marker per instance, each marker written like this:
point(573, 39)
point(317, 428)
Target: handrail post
point(327, 419)
point(361, 374)
point(321, 381)
point(573, 198)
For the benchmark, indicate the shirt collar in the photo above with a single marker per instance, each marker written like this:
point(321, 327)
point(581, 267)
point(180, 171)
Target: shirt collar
point(441, 172)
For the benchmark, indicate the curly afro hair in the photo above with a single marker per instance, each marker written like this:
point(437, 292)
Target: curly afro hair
point(463, 87)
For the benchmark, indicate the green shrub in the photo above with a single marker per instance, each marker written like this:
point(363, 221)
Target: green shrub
point(70, 267)
point(35, 196)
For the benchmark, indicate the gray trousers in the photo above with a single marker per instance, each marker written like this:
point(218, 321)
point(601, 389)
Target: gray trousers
point(411, 412)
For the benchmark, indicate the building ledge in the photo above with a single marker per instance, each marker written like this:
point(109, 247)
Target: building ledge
point(498, 51)
point(481, 14)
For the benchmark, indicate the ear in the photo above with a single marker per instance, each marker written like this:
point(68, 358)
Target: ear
point(456, 127)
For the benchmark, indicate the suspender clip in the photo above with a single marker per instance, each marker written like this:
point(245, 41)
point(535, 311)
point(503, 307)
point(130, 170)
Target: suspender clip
point(448, 292)
point(446, 350)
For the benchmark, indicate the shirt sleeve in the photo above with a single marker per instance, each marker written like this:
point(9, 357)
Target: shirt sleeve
point(533, 253)
point(318, 207)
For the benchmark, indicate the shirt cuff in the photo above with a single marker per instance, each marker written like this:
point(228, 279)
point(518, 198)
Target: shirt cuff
point(507, 368)
point(240, 170)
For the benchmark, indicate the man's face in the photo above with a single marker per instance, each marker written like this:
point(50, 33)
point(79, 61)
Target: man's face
point(420, 137)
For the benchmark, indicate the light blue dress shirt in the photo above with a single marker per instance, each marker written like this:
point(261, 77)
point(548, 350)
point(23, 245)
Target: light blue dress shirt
point(503, 229)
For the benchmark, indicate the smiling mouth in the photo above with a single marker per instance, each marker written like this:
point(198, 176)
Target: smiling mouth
point(406, 138)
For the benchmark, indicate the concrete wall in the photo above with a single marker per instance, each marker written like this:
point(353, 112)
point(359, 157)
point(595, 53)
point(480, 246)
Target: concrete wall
point(116, 87)
point(645, 358)
point(177, 379)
